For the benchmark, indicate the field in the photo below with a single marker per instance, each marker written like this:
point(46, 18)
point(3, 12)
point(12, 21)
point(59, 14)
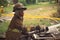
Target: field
point(34, 15)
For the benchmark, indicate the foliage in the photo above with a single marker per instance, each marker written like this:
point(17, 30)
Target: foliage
point(0, 14)
point(10, 9)
point(35, 1)
point(45, 22)
point(3, 2)
point(4, 26)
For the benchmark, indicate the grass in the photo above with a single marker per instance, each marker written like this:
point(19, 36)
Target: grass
point(38, 21)
point(8, 9)
point(29, 17)
point(28, 23)
point(32, 6)
point(4, 26)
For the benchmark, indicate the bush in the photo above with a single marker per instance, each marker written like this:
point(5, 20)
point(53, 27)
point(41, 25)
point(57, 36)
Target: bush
point(0, 14)
point(4, 26)
point(3, 2)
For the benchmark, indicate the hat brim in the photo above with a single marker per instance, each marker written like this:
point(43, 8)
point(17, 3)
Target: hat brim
point(19, 8)
point(24, 8)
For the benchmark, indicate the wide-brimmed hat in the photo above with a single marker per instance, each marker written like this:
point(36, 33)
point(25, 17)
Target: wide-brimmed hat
point(19, 6)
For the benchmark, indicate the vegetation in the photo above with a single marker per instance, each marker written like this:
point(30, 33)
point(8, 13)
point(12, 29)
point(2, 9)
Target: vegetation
point(37, 7)
point(3, 3)
point(4, 26)
point(0, 14)
point(31, 6)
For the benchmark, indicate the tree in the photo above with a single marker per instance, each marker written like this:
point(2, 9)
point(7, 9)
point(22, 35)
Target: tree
point(15, 1)
point(56, 1)
point(58, 9)
point(3, 2)
point(31, 1)
point(28, 1)
point(36, 1)
point(22, 1)
point(50, 1)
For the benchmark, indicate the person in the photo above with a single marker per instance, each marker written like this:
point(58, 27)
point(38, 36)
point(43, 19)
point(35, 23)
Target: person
point(37, 28)
point(32, 27)
point(24, 31)
point(46, 29)
point(16, 25)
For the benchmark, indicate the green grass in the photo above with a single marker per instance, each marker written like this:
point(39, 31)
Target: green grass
point(4, 26)
point(8, 9)
point(47, 22)
point(32, 6)
point(37, 21)
point(29, 22)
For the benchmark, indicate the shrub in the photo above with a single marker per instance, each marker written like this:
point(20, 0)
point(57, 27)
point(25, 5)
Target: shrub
point(3, 2)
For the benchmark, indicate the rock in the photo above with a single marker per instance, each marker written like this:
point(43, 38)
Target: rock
point(1, 20)
point(54, 29)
